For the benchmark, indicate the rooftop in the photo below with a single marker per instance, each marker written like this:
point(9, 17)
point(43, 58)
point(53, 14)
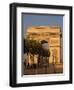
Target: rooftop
point(38, 29)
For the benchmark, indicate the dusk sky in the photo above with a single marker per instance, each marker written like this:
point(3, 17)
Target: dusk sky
point(41, 20)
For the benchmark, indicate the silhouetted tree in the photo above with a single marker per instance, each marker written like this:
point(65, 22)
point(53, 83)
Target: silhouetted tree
point(35, 48)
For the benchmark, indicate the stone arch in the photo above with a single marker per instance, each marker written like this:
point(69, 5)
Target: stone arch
point(43, 41)
point(45, 44)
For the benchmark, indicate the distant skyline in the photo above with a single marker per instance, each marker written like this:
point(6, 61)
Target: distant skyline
point(41, 20)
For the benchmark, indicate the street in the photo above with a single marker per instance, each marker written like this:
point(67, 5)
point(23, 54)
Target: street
point(51, 69)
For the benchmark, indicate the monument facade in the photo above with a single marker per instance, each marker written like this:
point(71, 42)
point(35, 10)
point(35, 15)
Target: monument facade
point(50, 34)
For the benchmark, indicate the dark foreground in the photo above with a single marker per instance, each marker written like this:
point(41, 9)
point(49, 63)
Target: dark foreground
point(50, 69)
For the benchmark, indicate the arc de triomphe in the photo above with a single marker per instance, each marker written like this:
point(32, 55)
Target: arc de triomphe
point(52, 35)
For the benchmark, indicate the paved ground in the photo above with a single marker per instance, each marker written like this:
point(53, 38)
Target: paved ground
point(51, 69)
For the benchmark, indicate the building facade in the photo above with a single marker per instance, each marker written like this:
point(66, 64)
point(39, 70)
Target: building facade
point(50, 34)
